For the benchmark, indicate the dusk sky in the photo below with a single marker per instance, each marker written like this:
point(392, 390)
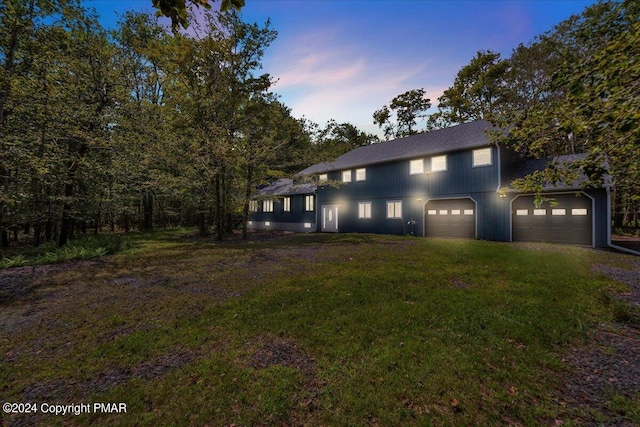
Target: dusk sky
point(345, 59)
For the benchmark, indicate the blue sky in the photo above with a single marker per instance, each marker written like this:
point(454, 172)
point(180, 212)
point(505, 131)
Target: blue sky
point(345, 59)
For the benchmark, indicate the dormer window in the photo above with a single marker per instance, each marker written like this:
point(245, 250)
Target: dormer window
point(482, 157)
point(323, 177)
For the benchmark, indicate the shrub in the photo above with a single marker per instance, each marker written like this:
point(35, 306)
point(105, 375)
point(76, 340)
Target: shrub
point(88, 248)
point(16, 261)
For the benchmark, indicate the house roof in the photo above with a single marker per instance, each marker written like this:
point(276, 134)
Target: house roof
point(468, 135)
point(522, 167)
point(286, 187)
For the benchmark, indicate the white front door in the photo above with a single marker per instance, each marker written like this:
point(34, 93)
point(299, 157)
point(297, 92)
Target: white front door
point(330, 218)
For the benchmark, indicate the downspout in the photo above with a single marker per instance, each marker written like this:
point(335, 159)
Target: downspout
point(499, 161)
point(317, 203)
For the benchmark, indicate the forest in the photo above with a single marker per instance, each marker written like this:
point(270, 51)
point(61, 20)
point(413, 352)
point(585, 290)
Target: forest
point(143, 127)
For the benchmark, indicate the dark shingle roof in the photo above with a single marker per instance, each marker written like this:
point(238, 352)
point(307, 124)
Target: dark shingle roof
point(286, 187)
point(521, 167)
point(468, 135)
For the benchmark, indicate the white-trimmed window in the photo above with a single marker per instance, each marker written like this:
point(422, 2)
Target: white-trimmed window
point(443, 212)
point(394, 209)
point(267, 206)
point(522, 212)
point(323, 177)
point(455, 211)
point(482, 157)
point(286, 204)
point(539, 212)
point(558, 212)
point(253, 206)
point(578, 212)
point(309, 203)
point(468, 211)
point(346, 176)
point(432, 212)
point(416, 167)
point(364, 210)
point(439, 163)
point(361, 174)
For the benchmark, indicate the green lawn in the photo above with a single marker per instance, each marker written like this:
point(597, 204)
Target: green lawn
point(334, 330)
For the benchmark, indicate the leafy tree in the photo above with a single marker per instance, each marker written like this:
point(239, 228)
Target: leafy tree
point(273, 143)
point(408, 107)
point(19, 22)
point(335, 139)
point(143, 138)
point(591, 103)
point(177, 9)
point(56, 90)
point(477, 93)
point(213, 82)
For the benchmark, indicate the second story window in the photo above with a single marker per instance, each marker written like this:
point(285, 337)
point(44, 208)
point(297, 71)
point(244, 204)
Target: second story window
point(482, 157)
point(346, 176)
point(267, 206)
point(439, 163)
point(323, 177)
point(286, 204)
point(416, 167)
point(361, 174)
point(253, 206)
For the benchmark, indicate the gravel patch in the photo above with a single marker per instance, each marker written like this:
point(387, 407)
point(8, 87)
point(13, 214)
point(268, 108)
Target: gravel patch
point(610, 364)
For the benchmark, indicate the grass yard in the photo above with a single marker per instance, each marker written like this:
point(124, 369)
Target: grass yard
point(331, 330)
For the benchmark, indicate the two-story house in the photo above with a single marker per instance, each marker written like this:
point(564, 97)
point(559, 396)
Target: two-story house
point(445, 183)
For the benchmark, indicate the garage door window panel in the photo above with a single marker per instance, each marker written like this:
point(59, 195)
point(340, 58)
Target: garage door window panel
point(450, 218)
point(569, 221)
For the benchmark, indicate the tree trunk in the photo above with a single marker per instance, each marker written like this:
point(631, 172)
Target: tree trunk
point(48, 230)
point(97, 221)
point(147, 204)
point(219, 210)
point(69, 191)
point(618, 216)
point(36, 234)
point(5, 238)
point(202, 217)
point(248, 189)
point(226, 203)
point(1, 230)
